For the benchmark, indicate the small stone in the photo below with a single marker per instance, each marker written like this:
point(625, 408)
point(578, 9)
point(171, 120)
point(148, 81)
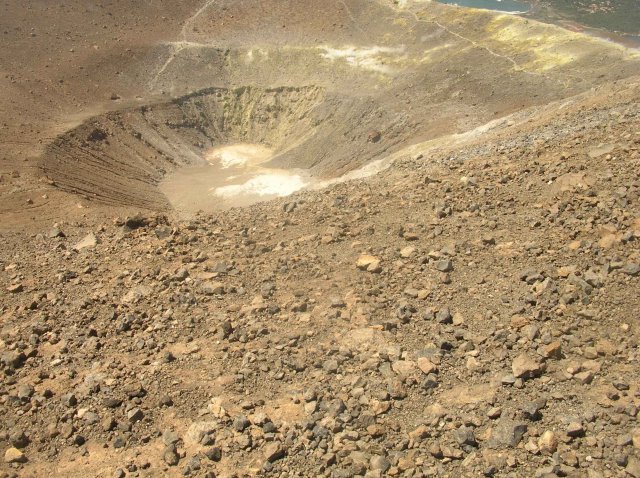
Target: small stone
point(310, 395)
point(379, 463)
point(635, 437)
point(135, 415)
point(426, 366)
point(193, 465)
point(585, 377)
point(633, 467)
point(162, 232)
point(119, 442)
point(548, 443)
point(67, 430)
point(69, 400)
point(464, 436)
point(444, 265)
point(212, 288)
point(25, 392)
point(136, 391)
point(170, 455)
point(621, 385)
point(507, 433)
point(169, 437)
point(338, 303)
point(508, 379)
point(111, 402)
point(631, 269)
point(165, 401)
point(575, 429)
point(273, 452)
point(199, 432)
point(55, 232)
point(108, 424)
point(214, 453)
point(407, 252)
point(369, 263)
point(13, 455)
point(13, 359)
point(89, 241)
point(525, 367)
point(330, 366)
point(444, 316)
point(241, 423)
point(435, 450)
point(15, 288)
point(552, 350)
point(404, 368)
point(181, 274)
point(18, 439)
point(531, 410)
point(410, 236)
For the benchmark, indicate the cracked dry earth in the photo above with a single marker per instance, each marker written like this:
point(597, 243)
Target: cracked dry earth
point(470, 314)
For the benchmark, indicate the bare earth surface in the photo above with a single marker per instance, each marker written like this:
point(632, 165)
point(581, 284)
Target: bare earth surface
point(469, 310)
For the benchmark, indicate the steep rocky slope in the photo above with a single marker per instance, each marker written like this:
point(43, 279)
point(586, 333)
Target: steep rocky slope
point(470, 311)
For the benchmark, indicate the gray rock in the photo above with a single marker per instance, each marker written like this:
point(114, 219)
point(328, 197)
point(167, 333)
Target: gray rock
point(212, 288)
point(330, 366)
point(241, 423)
point(135, 415)
point(444, 265)
point(91, 418)
point(267, 289)
point(507, 433)
point(18, 439)
point(631, 269)
point(169, 437)
point(55, 232)
point(111, 402)
point(69, 400)
point(531, 410)
point(464, 436)
point(310, 395)
point(170, 455)
point(181, 274)
point(444, 316)
point(379, 463)
point(214, 453)
point(162, 232)
point(25, 392)
point(13, 359)
point(575, 429)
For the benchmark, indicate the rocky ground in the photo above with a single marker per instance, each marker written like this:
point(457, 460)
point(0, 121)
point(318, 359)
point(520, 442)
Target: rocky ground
point(471, 311)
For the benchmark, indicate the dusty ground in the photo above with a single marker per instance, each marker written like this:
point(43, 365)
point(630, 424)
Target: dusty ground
point(469, 311)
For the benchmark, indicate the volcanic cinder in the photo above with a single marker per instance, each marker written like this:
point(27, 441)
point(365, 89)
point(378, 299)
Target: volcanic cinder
point(342, 238)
